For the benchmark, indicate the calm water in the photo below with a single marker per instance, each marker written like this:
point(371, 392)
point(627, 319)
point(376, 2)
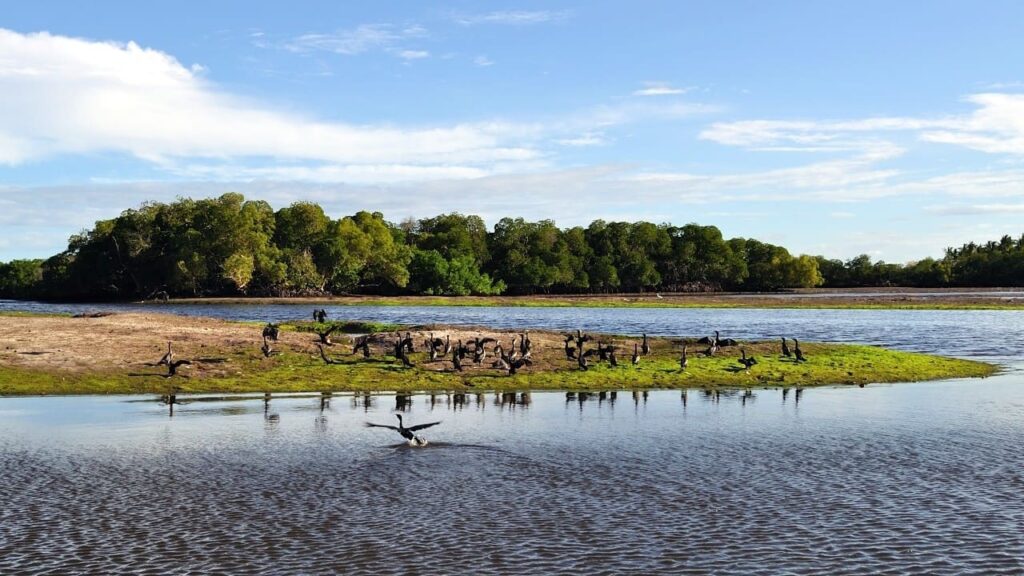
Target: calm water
point(914, 478)
point(966, 333)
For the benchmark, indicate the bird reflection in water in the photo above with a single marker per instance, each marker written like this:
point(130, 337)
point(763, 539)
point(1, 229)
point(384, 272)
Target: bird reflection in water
point(512, 400)
point(403, 402)
point(366, 400)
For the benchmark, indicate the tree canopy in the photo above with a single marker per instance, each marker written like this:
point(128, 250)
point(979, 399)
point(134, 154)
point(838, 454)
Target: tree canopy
point(230, 245)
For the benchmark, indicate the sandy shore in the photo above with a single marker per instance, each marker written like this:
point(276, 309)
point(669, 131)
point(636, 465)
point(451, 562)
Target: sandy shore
point(118, 353)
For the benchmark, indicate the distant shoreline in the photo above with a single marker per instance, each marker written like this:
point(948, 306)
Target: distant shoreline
point(823, 298)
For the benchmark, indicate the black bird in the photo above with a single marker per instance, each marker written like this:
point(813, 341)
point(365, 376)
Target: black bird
point(683, 360)
point(362, 343)
point(401, 345)
point(266, 349)
point(505, 363)
point(408, 342)
point(645, 348)
point(746, 362)
point(271, 331)
point(167, 358)
point(524, 343)
point(325, 335)
point(172, 367)
point(406, 433)
point(636, 354)
point(456, 357)
point(798, 352)
point(570, 351)
point(785, 348)
point(582, 358)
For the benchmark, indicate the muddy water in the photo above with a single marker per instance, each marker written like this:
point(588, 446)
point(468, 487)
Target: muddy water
point(916, 478)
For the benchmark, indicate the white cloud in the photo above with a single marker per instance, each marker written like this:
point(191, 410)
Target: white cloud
point(361, 39)
point(659, 89)
point(483, 61)
point(585, 139)
point(518, 17)
point(413, 54)
point(61, 95)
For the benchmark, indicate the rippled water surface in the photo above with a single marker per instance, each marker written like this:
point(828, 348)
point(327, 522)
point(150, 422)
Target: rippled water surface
point(921, 478)
point(916, 478)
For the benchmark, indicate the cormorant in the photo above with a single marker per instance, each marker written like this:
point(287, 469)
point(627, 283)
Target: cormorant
point(266, 349)
point(325, 335)
point(798, 352)
point(172, 367)
point(570, 351)
point(746, 362)
point(406, 433)
point(167, 358)
point(785, 348)
point(646, 348)
point(271, 331)
point(636, 355)
point(683, 360)
point(362, 343)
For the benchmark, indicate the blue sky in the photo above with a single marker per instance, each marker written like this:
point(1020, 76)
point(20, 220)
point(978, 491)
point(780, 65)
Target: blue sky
point(888, 128)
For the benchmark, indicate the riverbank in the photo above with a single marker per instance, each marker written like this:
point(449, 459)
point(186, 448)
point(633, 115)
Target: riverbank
point(117, 354)
point(860, 298)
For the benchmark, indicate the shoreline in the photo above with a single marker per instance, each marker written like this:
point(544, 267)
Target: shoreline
point(854, 298)
point(117, 354)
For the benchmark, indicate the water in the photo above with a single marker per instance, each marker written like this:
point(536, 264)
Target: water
point(919, 478)
point(990, 334)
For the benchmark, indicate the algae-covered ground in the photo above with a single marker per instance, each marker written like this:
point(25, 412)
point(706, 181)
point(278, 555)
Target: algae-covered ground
point(117, 354)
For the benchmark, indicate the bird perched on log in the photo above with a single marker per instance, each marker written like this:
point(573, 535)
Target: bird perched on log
point(325, 335)
point(745, 361)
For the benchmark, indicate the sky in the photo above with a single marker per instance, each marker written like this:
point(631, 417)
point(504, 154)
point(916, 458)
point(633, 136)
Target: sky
point(894, 129)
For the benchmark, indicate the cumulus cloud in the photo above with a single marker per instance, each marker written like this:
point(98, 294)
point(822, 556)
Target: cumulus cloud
point(61, 95)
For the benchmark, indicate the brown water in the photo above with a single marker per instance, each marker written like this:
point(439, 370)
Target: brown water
point(912, 479)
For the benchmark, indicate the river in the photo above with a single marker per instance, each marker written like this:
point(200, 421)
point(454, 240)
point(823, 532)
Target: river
point(921, 478)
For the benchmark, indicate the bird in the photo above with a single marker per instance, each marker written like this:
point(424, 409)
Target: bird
point(172, 367)
point(168, 357)
point(524, 343)
point(798, 352)
point(271, 331)
point(658, 295)
point(266, 349)
point(400, 347)
point(325, 335)
point(745, 361)
point(362, 343)
point(456, 360)
point(570, 351)
point(683, 360)
point(406, 433)
point(645, 347)
point(785, 348)
point(512, 365)
point(636, 355)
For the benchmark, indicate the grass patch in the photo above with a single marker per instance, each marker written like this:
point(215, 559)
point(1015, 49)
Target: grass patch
point(298, 371)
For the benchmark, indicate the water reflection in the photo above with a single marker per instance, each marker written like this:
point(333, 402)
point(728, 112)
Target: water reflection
point(297, 484)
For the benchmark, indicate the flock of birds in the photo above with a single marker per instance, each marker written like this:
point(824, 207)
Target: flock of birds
point(578, 347)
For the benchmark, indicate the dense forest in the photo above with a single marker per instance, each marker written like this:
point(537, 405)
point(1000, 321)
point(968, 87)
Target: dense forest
point(228, 246)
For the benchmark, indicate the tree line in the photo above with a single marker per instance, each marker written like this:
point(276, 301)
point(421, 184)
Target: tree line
point(230, 245)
